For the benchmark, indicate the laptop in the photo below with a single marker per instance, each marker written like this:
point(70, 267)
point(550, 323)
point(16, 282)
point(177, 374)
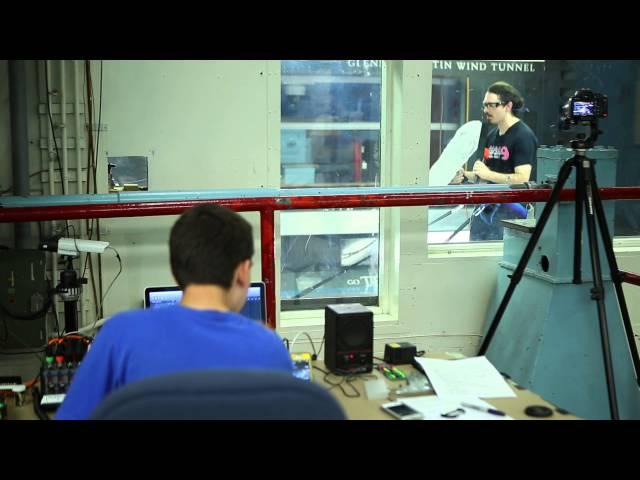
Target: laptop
point(254, 308)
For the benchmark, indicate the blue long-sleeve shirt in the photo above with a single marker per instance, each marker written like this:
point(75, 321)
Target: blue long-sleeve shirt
point(143, 343)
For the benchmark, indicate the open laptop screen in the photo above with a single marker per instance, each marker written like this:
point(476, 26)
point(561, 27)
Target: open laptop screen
point(255, 306)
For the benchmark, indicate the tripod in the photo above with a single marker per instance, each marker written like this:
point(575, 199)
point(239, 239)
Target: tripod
point(587, 195)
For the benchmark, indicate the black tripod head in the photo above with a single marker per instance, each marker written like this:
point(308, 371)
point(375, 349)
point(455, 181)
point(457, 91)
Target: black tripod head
point(70, 283)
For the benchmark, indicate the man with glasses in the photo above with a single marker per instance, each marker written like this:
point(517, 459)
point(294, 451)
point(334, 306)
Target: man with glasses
point(509, 156)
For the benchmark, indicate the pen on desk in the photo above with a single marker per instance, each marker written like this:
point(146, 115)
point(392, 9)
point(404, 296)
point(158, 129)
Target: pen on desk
point(493, 411)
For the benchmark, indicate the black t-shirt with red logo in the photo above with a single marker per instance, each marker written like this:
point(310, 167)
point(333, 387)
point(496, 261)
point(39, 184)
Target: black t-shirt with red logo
point(518, 146)
point(503, 153)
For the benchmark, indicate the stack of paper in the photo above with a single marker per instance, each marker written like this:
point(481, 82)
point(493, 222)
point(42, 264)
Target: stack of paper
point(472, 377)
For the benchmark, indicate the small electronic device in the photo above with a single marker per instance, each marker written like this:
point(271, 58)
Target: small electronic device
point(417, 385)
point(401, 411)
point(301, 365)
point(399, 353)
point(348, 333)
point(63, 358)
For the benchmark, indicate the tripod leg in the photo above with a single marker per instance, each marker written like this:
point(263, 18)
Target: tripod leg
point(597, 293)
point(460, 228)
point(577, 239)
point(616, 277)
point(563, 175)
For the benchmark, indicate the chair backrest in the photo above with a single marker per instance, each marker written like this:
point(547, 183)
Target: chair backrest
point(220, 395)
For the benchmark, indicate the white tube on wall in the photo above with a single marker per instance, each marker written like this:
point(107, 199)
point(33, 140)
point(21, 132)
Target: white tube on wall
point(52, 191)
point(62, 98)
point(76, 115)
point(50, 152)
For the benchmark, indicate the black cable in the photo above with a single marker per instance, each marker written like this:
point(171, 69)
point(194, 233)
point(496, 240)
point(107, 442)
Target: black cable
point(35, 352)
point(345, 378)
point(53, 304)
point(55, 316)
point(99, 113)
point(101, 309)
point(74, 232)
point(31, 316)
point(53, 133)
point(91, 169)
point(321, 370)
point(97, 152)
point(35, 380)
point(320, 349)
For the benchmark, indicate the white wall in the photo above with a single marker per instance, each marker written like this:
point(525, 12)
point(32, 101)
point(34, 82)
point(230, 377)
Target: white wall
point(203, 125)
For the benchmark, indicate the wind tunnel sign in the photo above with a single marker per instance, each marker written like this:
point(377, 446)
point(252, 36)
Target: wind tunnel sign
point(525, 66)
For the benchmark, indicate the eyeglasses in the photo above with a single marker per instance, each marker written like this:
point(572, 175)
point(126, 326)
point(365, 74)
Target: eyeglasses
point(491, 104)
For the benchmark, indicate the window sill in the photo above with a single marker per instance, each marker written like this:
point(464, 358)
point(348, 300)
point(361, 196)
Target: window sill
point(464, 250)
point(315, 318)
point(495, 249)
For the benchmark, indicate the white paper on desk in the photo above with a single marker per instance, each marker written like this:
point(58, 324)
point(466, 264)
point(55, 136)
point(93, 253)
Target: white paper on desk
point(433, 407)
point(472, 377)
point(455, 154)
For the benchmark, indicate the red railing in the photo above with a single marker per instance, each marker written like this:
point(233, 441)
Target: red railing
point(268, 205)
point(631, 278)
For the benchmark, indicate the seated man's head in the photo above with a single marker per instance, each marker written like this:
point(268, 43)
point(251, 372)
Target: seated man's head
point(501, 100)
point(212, 245)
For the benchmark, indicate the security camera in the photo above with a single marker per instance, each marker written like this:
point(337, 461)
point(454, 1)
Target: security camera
point(73, 246)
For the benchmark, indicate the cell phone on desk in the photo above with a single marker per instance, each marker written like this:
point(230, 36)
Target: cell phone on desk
point(401, 411)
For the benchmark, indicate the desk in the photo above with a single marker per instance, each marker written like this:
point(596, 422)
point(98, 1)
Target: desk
point(361, 408)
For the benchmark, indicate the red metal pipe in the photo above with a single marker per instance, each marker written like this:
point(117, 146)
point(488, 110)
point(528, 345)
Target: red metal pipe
point(115, 210)
point(630, 278)
point(268, 241)
point(304, 202)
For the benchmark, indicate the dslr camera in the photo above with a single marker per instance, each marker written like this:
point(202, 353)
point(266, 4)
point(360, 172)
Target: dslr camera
point(584, 107)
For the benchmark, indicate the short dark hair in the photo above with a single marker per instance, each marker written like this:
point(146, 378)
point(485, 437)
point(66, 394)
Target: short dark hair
point(508, 93)
point(207, 244)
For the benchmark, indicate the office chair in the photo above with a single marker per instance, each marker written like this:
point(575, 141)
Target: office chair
point(220, 395)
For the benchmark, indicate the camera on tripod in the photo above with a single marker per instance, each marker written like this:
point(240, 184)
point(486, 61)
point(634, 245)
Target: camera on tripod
point(584, 108)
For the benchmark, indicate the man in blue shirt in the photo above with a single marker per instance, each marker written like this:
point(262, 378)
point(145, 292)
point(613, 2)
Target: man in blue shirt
point(210, 250)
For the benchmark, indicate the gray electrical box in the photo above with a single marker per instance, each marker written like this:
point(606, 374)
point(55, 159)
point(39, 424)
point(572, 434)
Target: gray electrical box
point(23, 292)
